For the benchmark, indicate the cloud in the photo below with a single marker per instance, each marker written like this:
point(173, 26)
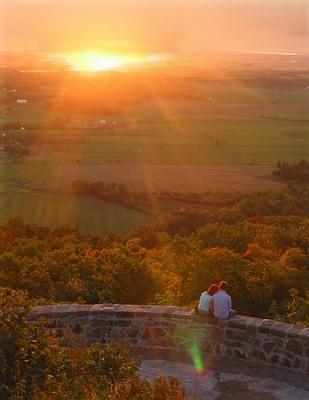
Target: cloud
point(154, 26)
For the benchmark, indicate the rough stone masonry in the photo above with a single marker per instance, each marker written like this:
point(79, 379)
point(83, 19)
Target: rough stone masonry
point(178, 333)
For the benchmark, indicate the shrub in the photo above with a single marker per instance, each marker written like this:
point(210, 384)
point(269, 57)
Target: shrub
point(34, 366)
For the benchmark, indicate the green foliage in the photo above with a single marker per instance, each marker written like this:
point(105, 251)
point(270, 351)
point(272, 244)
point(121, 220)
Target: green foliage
point(262, 258)
point(113, 192)
point(298, 309)
point(236, 237)
point(135, 389)
point(34, 366)
point(26, 352)
point(65, 266)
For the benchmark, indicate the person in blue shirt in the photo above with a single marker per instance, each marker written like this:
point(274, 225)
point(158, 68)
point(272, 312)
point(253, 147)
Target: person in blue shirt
point(205, 306)
point(222, 303)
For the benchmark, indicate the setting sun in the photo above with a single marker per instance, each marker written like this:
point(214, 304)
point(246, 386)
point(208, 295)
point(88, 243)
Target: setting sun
point(101, 62)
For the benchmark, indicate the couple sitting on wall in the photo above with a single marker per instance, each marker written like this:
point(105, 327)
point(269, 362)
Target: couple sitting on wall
point(215, 302)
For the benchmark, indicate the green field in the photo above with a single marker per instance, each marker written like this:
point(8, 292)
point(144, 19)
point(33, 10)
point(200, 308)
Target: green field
point(206, 137)
point(89, 215)
point(230, 125)
point(230, 100)
point(196, 142)
point(181, 142)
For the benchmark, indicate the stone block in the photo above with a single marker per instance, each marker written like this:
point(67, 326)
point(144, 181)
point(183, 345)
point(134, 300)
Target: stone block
point(202, 319)
point(239, 353)
point(124, 314)
point(132, 332)
point(215, 333)
point(294, 332)
point(266, 326)
point(275, 359)
point(207, 347)
point(236, 334)
point(232, 343)
point(297, 363)
point(279, 329)
point(286, 362)
point(163, 342)
point(182, 315)
point(295, 346)
point(237, 323)
point(268, 346)
point(259, 355)
point(124, 323)
point(77, 329)
point(153, 333)
point(253, 325)
point(95, 332)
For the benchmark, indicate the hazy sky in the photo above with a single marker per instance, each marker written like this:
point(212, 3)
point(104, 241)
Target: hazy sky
point(154, 26)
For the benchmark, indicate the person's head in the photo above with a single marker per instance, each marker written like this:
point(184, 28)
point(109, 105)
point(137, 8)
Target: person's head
point(223, 285)
point(212, 289)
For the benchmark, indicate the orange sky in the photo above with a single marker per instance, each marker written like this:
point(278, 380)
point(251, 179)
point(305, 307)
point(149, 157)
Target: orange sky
point(154, 26)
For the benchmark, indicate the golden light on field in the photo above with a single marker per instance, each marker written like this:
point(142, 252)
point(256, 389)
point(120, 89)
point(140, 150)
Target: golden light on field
point(95, 62)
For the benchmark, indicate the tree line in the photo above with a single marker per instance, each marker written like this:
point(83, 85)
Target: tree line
point(200, 208)
point(294, 172)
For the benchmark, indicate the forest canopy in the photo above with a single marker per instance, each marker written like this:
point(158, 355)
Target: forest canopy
point(171, 261)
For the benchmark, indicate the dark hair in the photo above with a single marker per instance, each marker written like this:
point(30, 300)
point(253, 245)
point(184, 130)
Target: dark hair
point(223, 285)
point(212, 289)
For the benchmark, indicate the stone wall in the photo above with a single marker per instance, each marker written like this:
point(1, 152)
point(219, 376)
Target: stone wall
point(177, 333)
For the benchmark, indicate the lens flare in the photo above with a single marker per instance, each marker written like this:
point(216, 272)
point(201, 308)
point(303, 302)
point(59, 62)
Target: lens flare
point(195, 353)
point(200, 345)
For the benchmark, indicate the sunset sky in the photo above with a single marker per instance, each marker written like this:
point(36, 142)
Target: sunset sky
point(154, 26)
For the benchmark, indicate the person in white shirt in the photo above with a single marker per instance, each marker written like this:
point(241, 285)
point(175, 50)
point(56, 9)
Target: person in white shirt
point(222, 303)
point(205, 303)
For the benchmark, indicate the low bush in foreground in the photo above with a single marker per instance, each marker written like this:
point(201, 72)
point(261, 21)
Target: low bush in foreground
point(34, 366)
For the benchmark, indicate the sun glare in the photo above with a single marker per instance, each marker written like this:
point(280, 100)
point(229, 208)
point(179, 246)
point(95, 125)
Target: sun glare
point(101, 62)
